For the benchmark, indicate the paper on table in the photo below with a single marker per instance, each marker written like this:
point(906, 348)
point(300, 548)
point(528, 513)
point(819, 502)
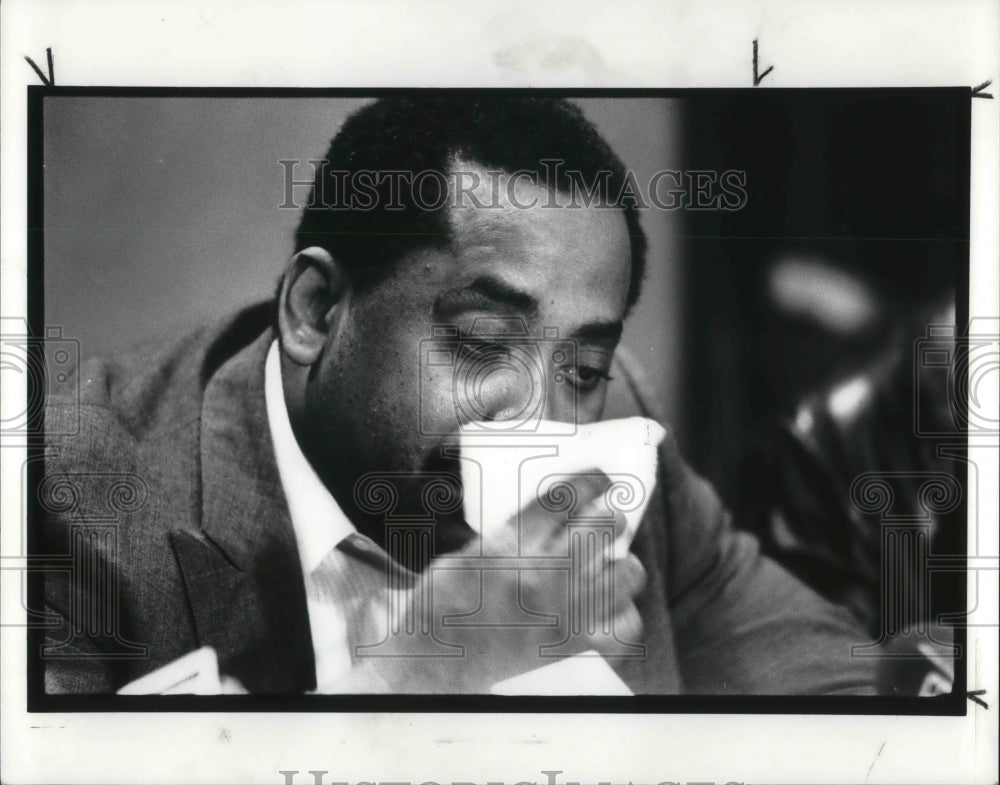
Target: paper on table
point(195, 673)
point(581, 674)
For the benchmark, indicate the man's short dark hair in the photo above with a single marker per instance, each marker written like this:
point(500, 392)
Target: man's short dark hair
point(415, 134)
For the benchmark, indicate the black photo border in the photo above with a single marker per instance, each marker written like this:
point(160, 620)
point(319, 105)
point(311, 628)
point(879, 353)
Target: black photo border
point(952, 704)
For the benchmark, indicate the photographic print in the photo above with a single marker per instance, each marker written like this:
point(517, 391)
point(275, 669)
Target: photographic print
point(680, 476)
point(560, 422)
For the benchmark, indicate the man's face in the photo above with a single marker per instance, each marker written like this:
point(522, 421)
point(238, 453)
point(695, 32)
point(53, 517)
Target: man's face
point(392, 385)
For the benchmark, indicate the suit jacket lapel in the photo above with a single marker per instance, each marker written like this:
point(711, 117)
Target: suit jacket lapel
point(241, 568)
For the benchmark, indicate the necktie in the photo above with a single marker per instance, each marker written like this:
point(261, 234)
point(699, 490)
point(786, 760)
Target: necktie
point(354, 599)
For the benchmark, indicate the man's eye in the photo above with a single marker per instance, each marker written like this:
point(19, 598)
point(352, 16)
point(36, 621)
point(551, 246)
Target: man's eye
point(585, 377)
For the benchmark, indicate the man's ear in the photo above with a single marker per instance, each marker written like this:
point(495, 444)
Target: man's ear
point(315, 291)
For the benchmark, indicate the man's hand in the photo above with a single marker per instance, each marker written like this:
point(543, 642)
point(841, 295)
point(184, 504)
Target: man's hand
point(584, 604)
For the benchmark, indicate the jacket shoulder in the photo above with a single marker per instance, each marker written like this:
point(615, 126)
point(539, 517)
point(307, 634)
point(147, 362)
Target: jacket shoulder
point(152, 388)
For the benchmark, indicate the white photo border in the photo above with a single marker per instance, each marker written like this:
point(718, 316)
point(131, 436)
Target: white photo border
point(393, 44)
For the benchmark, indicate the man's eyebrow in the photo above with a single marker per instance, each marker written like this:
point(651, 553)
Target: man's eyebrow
point(492, 294)
point(486, 293)
point(599, 332)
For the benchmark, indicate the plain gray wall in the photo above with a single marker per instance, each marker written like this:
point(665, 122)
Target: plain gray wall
point(163, 212)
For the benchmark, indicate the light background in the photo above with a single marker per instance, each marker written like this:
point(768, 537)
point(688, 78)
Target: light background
point(163, 213)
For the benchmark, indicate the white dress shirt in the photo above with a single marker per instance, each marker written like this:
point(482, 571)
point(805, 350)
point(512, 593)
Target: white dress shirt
point(342, 568)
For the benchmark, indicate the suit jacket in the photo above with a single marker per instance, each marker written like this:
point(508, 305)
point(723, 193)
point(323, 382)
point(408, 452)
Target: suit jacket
point(167, 501)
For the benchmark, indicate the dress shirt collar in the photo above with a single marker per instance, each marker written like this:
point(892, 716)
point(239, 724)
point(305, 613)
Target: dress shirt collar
point(319, 523)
